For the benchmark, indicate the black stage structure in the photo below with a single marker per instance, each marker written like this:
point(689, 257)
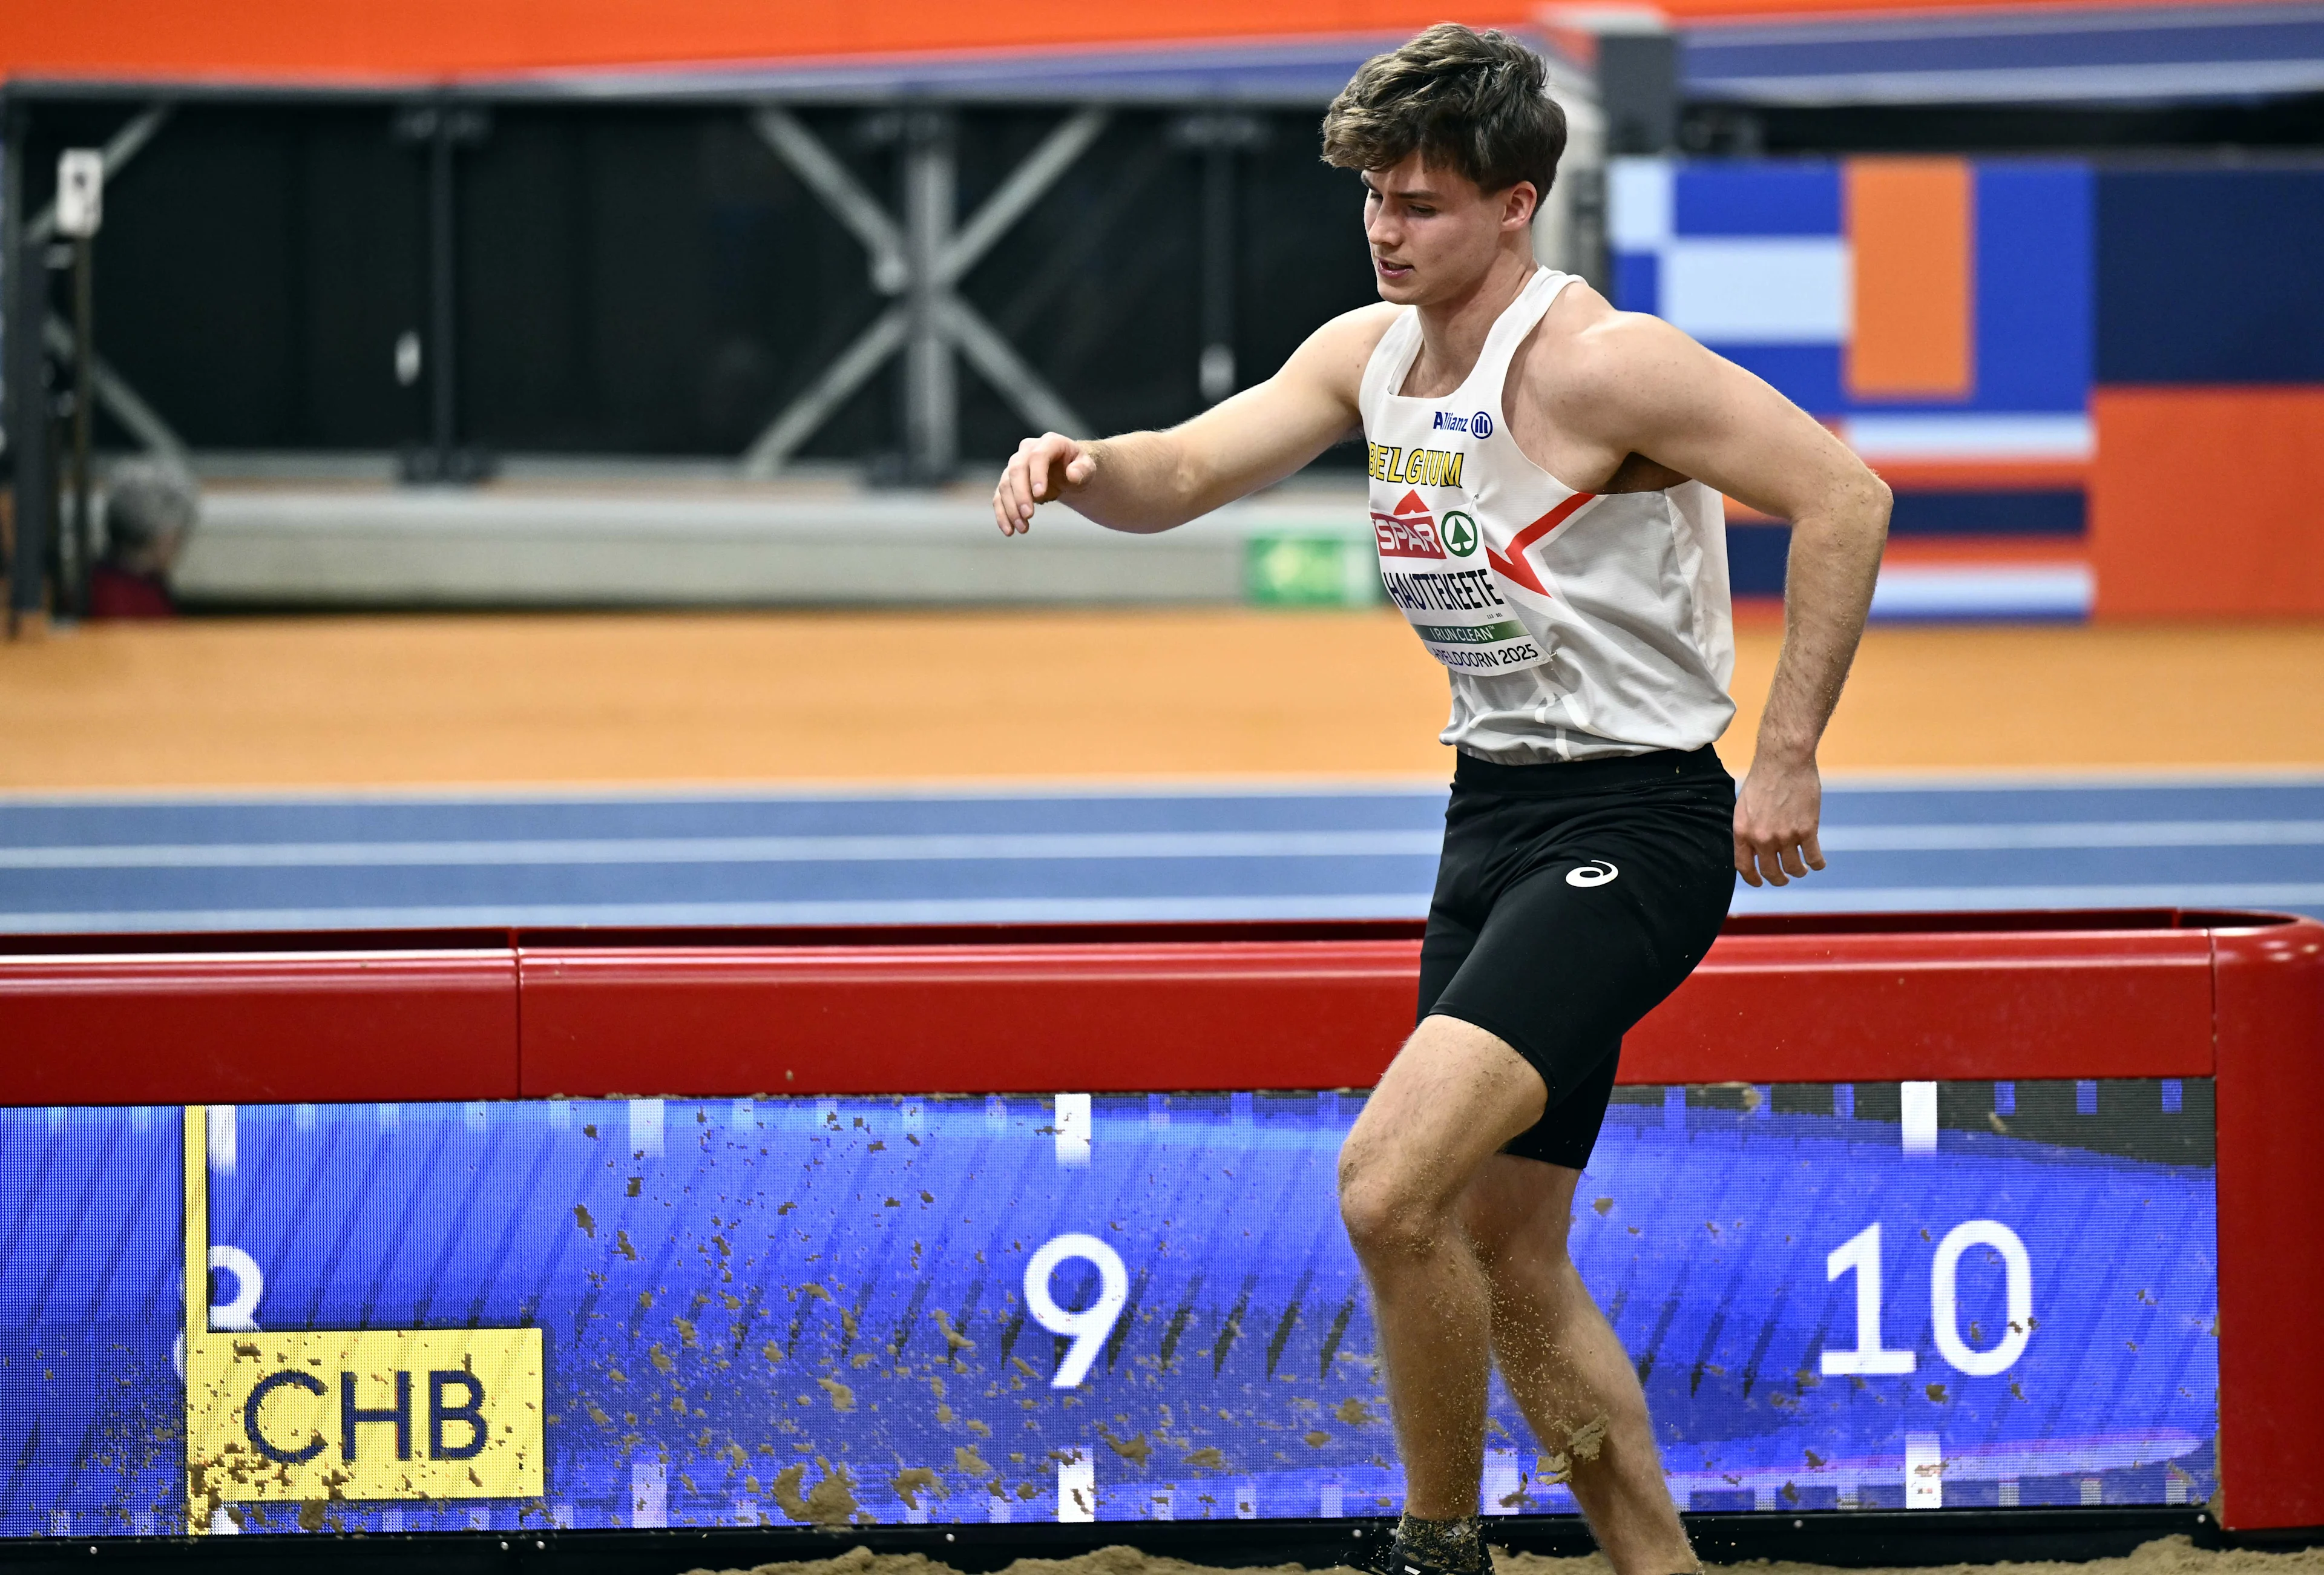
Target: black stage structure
point(892, 264)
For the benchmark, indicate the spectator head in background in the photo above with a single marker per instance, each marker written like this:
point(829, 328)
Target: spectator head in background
point(1457, 141)
point(150, 510)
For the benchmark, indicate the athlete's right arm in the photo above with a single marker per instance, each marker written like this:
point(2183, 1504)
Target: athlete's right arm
point(1146, 481)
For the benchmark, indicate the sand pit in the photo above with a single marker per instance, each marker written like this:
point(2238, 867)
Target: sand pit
point(2163, 1556)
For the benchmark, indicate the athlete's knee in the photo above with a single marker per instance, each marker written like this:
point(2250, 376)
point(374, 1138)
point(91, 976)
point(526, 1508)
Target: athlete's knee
point(1387, 1221)
point(1391, 1207)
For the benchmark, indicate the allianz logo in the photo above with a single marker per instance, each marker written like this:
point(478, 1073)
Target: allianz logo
point(1480, 425)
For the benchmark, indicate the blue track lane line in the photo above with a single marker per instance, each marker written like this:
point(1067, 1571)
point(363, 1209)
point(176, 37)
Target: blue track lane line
point(1281, 852)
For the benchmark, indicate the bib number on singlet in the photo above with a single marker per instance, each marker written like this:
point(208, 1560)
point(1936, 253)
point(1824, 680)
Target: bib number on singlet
point(1461, 617)
point(1432, 572)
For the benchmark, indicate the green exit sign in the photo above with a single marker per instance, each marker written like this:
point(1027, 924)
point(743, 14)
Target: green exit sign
point(1310, 570)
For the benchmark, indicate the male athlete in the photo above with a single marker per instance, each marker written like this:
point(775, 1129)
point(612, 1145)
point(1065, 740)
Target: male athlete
point(1545, 482)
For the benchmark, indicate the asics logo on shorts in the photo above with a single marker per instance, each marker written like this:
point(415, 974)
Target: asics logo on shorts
point(1596, 872)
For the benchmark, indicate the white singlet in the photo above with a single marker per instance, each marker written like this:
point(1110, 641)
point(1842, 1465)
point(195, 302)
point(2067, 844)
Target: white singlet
point(1575, 626)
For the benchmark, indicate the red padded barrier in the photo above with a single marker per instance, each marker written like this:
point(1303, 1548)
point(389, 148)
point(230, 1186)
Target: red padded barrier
point(257, 1027)
point(975, 1019)
point(998, 1018)
point(161, 1019)
point(222, 1019)
point(1934, 1005)
point(2271, 1212)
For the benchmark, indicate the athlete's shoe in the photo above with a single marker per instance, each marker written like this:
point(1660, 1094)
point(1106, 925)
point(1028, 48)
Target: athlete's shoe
point(1398, 1564)
point(1388, 1559)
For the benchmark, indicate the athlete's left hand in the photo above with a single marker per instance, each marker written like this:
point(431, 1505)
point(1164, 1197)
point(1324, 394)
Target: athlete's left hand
point(1775, 817)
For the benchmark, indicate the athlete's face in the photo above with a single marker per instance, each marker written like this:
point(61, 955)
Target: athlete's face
point(1433, 235)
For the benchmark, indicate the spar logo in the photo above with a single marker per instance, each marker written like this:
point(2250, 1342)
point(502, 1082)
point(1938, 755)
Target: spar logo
point(1460, 533)
point(1409, 532)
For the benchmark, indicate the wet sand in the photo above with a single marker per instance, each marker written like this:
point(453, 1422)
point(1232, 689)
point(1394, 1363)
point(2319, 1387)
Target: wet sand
point(2164, 1556)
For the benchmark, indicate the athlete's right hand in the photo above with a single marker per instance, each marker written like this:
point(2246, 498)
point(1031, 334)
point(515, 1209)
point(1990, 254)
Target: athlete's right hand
point(1042, 470)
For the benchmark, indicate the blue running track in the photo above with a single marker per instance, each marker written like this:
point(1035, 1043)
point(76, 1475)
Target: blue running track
point(91, 863)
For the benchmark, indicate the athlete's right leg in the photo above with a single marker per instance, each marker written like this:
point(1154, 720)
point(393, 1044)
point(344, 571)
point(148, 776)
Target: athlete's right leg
point(1452, 1096)
point(1566, 1369)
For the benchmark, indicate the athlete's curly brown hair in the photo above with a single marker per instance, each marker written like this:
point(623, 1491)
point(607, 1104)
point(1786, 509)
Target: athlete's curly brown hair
point(1477, 102)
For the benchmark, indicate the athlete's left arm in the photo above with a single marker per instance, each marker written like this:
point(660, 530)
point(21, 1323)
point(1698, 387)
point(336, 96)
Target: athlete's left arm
point(1639, 385)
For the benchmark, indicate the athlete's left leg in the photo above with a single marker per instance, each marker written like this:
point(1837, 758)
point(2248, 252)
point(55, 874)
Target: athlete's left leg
point(1452, 1097)
point(1567, 1369)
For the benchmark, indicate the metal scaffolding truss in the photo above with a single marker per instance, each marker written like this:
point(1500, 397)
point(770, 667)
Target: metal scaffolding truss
point(24, 240)
point(120, 401)
point(919, 259)
point(917, 253)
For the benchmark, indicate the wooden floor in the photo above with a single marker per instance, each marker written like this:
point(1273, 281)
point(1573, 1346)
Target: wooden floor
point(771, 697)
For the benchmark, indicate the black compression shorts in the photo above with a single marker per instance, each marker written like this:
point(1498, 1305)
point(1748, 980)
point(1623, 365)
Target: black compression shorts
point(1570, 900)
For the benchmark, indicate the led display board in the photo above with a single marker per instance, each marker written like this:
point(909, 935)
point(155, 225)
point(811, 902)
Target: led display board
point(657, 1313)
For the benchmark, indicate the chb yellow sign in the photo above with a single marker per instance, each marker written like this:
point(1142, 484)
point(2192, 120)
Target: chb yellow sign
point(313, 1415)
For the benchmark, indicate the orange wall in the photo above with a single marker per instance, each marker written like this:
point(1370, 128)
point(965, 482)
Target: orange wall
point(1912, 227)
point(353, 40)
point(2207, 500)
point(428, 37)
